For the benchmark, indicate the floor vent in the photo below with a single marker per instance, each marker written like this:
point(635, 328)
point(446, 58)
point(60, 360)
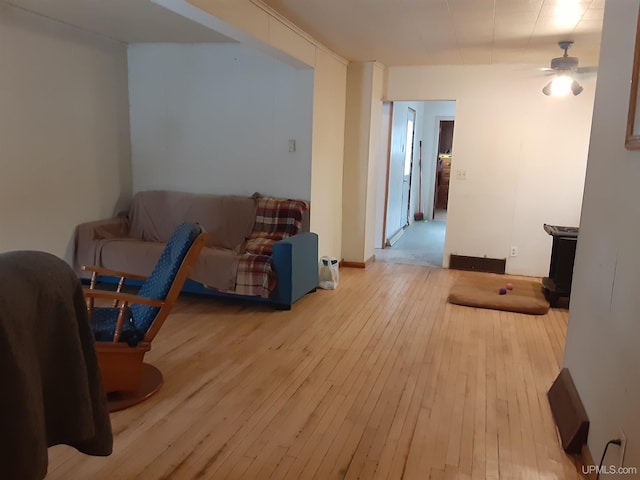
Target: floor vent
point(478, 264)
point(569, 413)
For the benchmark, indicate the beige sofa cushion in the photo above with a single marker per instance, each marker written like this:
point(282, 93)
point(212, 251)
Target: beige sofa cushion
point(216, 267)
point(128, 255)
point(228, 219)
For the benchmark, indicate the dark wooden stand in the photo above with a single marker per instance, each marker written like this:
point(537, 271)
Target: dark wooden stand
point(563, 252)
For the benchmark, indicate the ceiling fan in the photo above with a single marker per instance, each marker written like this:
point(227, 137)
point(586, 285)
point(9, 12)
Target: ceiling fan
point(565, 68)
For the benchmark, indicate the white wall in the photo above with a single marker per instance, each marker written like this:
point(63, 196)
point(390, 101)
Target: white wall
point(329, 98)
point(373, 172)
point(524, 153)
point(356, 156)
point(382, 165)
point(362, 140)
point(255, 24)
point(602, 351)
point(217, 119)
point(64, 131)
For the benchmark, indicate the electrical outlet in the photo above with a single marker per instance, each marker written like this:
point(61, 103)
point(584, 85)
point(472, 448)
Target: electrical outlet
point(514, 251)
point(622, 447)
point(292, 145)
point(461, 174)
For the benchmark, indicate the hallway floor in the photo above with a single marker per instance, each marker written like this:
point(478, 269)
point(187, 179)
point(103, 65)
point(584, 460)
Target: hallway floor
point(421, 244)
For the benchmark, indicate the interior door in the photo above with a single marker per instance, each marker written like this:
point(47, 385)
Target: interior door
point(408, 166)
point(443, 171)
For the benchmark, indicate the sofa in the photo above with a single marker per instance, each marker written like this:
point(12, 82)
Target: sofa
point(260, 248)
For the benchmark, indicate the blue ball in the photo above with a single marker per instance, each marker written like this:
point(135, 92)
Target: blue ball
point(502, 291)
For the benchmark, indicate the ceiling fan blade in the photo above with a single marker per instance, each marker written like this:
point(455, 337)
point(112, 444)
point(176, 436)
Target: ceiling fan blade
point(591, 69)
point(545, 71)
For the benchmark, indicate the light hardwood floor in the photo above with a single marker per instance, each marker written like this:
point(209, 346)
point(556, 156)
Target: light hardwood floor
point(379, 379)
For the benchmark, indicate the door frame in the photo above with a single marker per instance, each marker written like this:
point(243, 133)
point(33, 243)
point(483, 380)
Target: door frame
point(410, 113)
point(386, 178)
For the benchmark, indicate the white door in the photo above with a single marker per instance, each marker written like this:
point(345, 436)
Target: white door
point(399, 172)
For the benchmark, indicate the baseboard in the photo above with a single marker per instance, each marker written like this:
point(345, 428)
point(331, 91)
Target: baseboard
point(347, 264)
point(478, 264)
point(394, 238)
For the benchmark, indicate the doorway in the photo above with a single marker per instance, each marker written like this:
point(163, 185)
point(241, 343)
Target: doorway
point(443, 169)
point(411, 179)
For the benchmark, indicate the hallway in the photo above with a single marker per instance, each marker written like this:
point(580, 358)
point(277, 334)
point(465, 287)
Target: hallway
point(421, 244)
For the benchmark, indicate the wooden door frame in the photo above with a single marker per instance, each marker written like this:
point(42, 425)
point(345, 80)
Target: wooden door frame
point(386, 180)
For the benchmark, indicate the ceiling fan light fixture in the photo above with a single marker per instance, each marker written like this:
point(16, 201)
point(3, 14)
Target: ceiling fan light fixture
point(565, 67)
point(576, 88)
point(560, 86)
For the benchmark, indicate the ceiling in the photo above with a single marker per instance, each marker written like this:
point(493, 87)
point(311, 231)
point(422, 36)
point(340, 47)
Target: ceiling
point(393, 32)
point(128, 21)
point(450, 32)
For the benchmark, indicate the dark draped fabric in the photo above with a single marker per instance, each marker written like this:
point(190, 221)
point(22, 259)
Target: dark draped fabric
point(50, 384)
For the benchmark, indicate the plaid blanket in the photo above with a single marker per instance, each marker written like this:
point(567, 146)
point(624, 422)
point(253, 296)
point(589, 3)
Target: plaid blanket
point(260, 245)
point(255, 275)
point(276, 219)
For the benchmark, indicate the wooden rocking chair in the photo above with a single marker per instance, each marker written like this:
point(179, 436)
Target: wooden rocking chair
point(124, 332)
